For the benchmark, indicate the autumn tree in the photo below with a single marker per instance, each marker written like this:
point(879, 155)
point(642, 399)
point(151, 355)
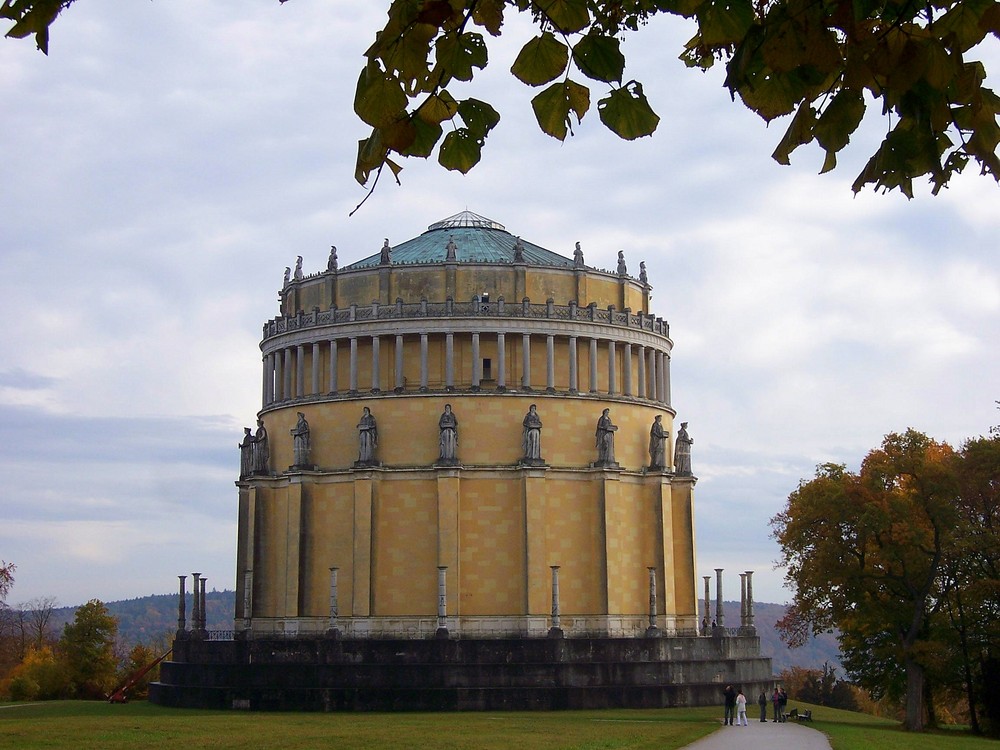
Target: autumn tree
point(88, 645)
point(826, 63)
point(864, 554)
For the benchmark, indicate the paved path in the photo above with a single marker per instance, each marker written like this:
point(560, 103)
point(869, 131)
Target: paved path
point(763, 736)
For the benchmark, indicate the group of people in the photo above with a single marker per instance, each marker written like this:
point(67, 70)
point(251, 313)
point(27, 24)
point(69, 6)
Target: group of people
point(736, 706)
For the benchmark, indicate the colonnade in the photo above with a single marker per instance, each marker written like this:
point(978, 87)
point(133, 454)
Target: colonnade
point(647, 377)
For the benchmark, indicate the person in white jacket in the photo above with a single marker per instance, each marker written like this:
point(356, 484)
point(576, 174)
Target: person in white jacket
point(741, 710)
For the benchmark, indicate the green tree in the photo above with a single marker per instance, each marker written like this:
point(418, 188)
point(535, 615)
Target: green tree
point(823, 61)
point(88, 645)
point(864, 555)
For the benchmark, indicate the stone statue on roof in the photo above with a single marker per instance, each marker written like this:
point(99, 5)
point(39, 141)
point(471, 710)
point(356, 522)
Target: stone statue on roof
point(298, 268)
point(386, 254)
point(518, 251)
point(643, 278)
point(452, 249)
point(331, 263)
point(622, 268)
point(578, 257)
point(288, 276)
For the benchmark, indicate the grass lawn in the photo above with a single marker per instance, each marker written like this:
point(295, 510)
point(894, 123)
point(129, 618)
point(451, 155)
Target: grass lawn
point(84, 725)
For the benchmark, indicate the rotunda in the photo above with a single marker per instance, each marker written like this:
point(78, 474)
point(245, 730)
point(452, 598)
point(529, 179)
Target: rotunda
point(469, 321)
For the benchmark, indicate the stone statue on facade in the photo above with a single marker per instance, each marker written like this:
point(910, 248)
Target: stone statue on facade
point(367, 439)
point(261, 450)
point(246, 453)
point(331, 262)
point(448, 436)
point(301, 444)
point(385, 255)
point(605, 440)
point(531, 437)
point(518, 251)
point(288, 277)
point(298, 268)
point(658, 444)
point(643, 278)
point(682, 451)
point(622, 268)
point(451, 249)
point(578, 257)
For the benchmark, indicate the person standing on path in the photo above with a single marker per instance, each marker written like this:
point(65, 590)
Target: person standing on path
point(741, 710)
point(762, 702)
point(776, 699)
point(730, 695)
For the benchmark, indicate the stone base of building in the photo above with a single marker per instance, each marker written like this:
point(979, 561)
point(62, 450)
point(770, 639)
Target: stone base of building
point(343, 674)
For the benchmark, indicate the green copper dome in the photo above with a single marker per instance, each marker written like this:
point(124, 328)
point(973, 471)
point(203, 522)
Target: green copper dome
point(476, 240)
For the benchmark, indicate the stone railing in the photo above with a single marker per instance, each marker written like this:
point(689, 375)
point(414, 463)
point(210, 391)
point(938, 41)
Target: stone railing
point(474, 309)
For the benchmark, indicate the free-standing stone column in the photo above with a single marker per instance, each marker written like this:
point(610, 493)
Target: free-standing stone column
point(316, 366)
point(665, 370)
point(556, 630)
point(279, 377)
point(501, 362)
point(550, 363)
point(749, 622)
point(574, 383)
point(612, 369)
point(719, 616)
point(353, 386)
point(743, 600)
point(653, 382)
point(376, 373)
point(449, 361)
point(399, 364)
point(641, 362)
point(195, 603)
point(333, 365)
point(652, 631)
point(181, 615)
point(627, 370)
point(332, 629)
point(203, 611)
point(442, 628)
point(423, 361)
point(286, 390)
point(477, 363)
point(661, 384)
point(526, 361)
point(593, 365)
point(708, 607)
point(247, 598)
point(265, 374)
point(300, 371)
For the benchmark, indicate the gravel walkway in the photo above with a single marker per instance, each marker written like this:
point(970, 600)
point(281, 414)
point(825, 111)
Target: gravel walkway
point(764, 736)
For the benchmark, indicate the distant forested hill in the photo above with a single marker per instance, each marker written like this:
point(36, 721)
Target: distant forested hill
point(149, 619)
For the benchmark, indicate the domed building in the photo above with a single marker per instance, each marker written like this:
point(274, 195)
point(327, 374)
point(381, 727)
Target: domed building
point(466, 445)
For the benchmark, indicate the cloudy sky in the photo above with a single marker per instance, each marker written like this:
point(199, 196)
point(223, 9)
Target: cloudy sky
point(167, 160)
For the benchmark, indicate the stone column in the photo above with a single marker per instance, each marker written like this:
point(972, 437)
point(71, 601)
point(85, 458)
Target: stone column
point(333, 365)
point(640, 359)
point(287, 386)
point(423, 361)
point(195, 603)
point(627, 369)
point(719, 616)
point(279, 376)
point(666, 378)
point(743, 600)
point(574, 383)
point(651, 376)
point(300, 371)
point(526, 361)
point(612, 369)
point(315, 367)
point(708, 606)
point(376, 371)
point(749, 575)
point(202, 611)
point(266, 367)
point(442, 628)
point(501, 361)
point(556, 630)
point(332, 629)
point(661, 382)
point(477, 363)
point(449, 361)
point(353, 385)
point(181, 615)
point(247, 598)
point(593, 365)
point(398, 384)
point(550, 363)
point(652, 631)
